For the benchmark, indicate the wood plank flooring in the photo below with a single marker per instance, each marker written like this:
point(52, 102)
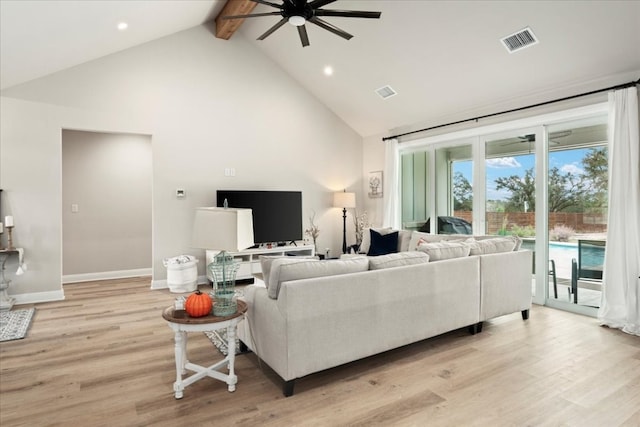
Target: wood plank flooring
point(104, 357)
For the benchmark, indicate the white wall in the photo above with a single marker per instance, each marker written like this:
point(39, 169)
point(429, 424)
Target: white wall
point(373, 160)
point(208, 104)
point(108, 178)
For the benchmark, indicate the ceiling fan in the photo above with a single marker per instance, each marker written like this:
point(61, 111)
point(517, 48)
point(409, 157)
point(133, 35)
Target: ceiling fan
point(532, 138)
point(298, 12)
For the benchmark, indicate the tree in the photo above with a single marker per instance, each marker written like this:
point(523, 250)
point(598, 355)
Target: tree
point(522, 189)
point(566, 192)
point(595, 177)
point(462, 193)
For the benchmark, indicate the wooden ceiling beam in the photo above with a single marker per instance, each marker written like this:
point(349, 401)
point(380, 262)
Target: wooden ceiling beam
point(226, 27)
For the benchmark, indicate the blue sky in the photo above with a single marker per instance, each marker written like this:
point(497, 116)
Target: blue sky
point(566, 161)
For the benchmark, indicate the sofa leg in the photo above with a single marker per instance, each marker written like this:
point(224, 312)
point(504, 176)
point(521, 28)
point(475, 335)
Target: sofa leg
point(287, 388)
point(475, 328)
point(525, 314)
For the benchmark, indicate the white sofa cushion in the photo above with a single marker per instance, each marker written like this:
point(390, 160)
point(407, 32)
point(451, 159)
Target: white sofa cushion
point(397, 260)
point(267, 260)
point(491, 246)
point(444, 250)
point(283, 270)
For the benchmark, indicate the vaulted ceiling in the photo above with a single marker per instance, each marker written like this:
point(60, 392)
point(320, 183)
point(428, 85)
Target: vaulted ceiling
point(443, 58)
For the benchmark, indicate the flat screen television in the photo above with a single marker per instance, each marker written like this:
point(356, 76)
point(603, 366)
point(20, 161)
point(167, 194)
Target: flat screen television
point(277, 215)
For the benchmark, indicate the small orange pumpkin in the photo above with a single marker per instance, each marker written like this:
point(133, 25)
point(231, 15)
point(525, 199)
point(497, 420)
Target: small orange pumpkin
point(198, 304)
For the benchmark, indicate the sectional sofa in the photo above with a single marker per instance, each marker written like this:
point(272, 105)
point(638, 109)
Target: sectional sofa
point(310, 315)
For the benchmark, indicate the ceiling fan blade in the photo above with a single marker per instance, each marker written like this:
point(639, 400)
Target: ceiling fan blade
point(329, 27)
point(304, 38)
point(319, 3)
point(268, 3)
point(252, 15)
point(349, 13)
point(272, 29)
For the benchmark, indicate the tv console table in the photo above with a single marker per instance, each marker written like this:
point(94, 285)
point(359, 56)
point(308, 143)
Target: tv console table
point(250, 258)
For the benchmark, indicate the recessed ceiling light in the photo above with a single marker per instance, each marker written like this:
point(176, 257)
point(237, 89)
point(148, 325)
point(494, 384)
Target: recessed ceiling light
point(328, 70)
point(122, 26)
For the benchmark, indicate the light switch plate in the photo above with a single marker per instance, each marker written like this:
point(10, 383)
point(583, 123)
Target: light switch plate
point(180, 193)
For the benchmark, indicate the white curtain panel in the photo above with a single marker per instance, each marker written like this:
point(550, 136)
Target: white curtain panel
point(620, 307)
point(391, 197)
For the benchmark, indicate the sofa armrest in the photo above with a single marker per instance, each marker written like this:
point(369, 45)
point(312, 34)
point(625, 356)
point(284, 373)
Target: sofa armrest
point(505, 283)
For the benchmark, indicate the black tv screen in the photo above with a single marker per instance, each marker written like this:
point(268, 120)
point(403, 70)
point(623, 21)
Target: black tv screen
point(277, 215)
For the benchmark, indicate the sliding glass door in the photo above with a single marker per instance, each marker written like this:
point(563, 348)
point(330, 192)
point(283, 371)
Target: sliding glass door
point(510, 187)
point(577, 182)
point(544, 181)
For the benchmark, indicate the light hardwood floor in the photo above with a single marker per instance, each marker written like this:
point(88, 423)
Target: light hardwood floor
point(104, 357)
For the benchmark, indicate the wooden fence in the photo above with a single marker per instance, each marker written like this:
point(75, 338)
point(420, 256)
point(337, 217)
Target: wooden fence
point(579, 222)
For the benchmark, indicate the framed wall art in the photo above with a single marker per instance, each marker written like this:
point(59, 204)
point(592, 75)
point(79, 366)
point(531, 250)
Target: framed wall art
point(375, 184)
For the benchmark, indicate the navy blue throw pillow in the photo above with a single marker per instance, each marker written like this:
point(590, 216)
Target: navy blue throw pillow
point(382, 244)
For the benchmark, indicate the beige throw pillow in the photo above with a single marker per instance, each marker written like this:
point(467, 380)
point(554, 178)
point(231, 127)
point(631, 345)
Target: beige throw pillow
point(397, 260)
point(418, 237)
point(404, 238)
point(444, 250)
point(490, 246)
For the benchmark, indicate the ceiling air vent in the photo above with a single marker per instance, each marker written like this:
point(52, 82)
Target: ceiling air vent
point(386, 92)
point(520, 40)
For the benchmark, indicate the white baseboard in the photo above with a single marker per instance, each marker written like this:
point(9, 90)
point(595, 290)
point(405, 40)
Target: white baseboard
point(106, 275)
point(35, 297)
point(162, 284)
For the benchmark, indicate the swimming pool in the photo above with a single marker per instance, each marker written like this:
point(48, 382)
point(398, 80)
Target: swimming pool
point(591, 255)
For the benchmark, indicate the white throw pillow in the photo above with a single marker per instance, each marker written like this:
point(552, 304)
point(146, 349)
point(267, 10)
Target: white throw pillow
point(283, 271)
point(397, 260)
point(404, 238)
point(516, 239)
point(417, 237)
point(444, 250)
point(491, 246)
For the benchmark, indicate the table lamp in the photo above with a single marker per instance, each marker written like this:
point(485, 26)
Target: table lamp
point(344, 200)
point(224, 229)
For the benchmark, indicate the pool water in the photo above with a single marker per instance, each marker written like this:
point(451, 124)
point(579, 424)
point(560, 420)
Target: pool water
point(591, 255)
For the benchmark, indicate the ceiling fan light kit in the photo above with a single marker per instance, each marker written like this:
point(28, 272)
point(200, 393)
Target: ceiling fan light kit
point(296, 20)
point(299, 12)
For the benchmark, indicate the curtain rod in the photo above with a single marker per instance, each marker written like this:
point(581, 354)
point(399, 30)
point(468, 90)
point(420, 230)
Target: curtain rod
point(566, 98)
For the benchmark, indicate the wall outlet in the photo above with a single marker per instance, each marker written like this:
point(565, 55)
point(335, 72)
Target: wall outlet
point(74, 208)
point(229, 171)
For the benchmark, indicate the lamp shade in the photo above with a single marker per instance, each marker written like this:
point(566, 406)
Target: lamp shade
point(227, 229)
point(342, 199)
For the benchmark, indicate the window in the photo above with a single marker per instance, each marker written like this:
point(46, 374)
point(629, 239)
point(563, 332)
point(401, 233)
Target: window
point(543, 179)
